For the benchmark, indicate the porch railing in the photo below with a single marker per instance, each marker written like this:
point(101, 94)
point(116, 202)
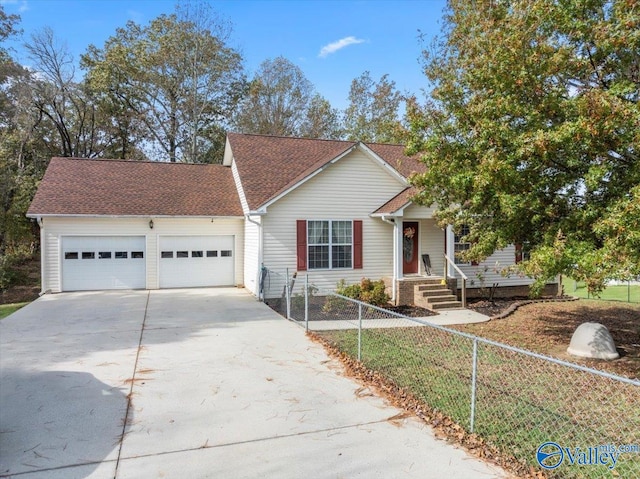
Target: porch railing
point(449, 261)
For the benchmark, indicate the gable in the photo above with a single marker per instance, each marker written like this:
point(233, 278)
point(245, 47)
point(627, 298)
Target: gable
point(269, 167)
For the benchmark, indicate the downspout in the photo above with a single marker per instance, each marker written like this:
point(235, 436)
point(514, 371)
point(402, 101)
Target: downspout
point(394, 280)
point(259, 268)
point(40, 222)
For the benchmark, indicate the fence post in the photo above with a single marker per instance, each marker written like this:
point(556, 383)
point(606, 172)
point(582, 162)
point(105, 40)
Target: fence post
point(629, 291)
point(306, 302)
point(359, 331)
point(474, 370)
point(287, 294)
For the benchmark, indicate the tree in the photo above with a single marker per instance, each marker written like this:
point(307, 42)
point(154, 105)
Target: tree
point(322, 120)
point(532, 133)
point(373, 113)
point(177, 75)
point(277, 101)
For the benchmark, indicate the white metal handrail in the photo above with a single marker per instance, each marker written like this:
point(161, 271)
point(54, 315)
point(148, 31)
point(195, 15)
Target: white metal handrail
point(464, 277)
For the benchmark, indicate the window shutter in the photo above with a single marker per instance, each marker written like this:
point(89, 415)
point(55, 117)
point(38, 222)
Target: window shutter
point(301, 244)
point(357, 244)
point(518, 253)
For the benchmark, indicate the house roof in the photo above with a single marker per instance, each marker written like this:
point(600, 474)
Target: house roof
point(396, 203)
point(73, 186)
point(270, 165)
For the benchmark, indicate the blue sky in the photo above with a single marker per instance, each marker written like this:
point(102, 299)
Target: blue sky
point(333, 42)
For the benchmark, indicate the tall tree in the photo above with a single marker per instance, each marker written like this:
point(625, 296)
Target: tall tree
point(321, 120)
point(60, 101)
point(373, 113)
point(532, 134)
point(178, 76)
point(277, 101)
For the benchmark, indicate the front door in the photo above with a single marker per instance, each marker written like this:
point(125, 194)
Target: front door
point(410, 247)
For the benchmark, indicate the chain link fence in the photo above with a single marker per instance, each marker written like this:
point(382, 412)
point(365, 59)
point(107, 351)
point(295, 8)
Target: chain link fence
point(550, 415)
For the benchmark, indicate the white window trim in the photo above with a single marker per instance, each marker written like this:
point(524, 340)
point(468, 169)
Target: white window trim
point(456, 242)
point(330, 245)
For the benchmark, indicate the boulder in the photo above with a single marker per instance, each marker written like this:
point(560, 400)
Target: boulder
point(592, 340)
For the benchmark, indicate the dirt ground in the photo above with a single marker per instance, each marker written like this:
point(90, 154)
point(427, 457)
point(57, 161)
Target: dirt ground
point(26, 286)
point(547, 328)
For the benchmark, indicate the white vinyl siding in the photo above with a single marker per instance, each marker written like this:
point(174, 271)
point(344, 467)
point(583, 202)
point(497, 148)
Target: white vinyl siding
point(251, 254)
point(57, 227)
point(239, 188)
point(350, 189)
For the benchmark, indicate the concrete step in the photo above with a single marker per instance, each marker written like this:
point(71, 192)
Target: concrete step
point(440, 299)
point(428, 287)
point(433, 292)
point(447, 305)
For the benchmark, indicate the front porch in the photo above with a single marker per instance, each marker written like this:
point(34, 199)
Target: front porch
point(427, 292)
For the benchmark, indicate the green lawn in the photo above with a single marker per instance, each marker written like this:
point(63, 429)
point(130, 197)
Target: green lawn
point(626, 293)
point(521, 401)
point(7, 309)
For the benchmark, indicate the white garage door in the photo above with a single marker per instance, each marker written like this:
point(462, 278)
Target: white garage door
point(103, 262)
point(192, 261)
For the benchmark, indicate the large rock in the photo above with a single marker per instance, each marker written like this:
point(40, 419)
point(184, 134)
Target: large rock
point(593, 340)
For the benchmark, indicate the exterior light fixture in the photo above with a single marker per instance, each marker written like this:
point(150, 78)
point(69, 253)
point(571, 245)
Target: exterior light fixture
point(150, 224)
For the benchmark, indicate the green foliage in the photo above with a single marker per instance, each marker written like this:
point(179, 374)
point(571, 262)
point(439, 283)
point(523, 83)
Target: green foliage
point(370, 292)
point(176, 77)
point(532, 133)
point(373, 111)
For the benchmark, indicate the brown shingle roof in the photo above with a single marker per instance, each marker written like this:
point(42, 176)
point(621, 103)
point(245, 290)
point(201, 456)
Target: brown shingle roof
point(394, 155)
point(74, 186)
point(269, 165)
point(394, 204)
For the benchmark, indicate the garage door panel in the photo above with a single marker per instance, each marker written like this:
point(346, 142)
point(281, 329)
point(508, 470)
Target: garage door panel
point(103, 262)
point(193, 261)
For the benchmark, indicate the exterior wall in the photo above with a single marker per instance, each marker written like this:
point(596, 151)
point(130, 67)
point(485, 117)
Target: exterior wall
point(239, 188)
point(350, 189)
point(251, 254)
point(56, 227)
point(431, 243)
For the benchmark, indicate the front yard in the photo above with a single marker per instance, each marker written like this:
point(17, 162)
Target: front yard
point(547, 328)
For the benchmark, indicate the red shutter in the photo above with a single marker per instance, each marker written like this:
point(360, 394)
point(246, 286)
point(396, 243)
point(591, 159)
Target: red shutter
point(518, 253)
point(301, 244)
point(357, 244)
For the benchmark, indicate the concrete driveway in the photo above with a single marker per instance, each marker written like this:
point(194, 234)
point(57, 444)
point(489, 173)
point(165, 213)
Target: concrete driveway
point(220, 386)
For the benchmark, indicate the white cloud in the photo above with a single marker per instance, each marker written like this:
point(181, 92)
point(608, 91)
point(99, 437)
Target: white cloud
point(23, 6)
point(340, 44)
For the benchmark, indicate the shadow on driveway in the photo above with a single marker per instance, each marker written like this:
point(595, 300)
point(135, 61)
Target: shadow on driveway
point(55, 419)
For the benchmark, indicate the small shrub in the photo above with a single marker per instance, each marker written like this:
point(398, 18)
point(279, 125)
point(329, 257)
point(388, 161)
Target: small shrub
point(370, 292)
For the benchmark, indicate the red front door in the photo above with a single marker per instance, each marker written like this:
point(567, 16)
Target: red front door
point(410, 247)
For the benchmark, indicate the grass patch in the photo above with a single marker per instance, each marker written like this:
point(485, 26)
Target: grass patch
point(7, 309)
point(629, 293)
point(521, 401)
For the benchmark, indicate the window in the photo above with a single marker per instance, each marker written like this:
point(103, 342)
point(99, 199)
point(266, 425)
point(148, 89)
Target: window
point(104, 255)
point(225, 253)
point(182, 254)
point(166, 254)
point(212, 254)
point(460, 246)
point(121, 255)
point(137, 254)
point(330, 244)
point(88, 255)
point(196, 254)
point(71, 256)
